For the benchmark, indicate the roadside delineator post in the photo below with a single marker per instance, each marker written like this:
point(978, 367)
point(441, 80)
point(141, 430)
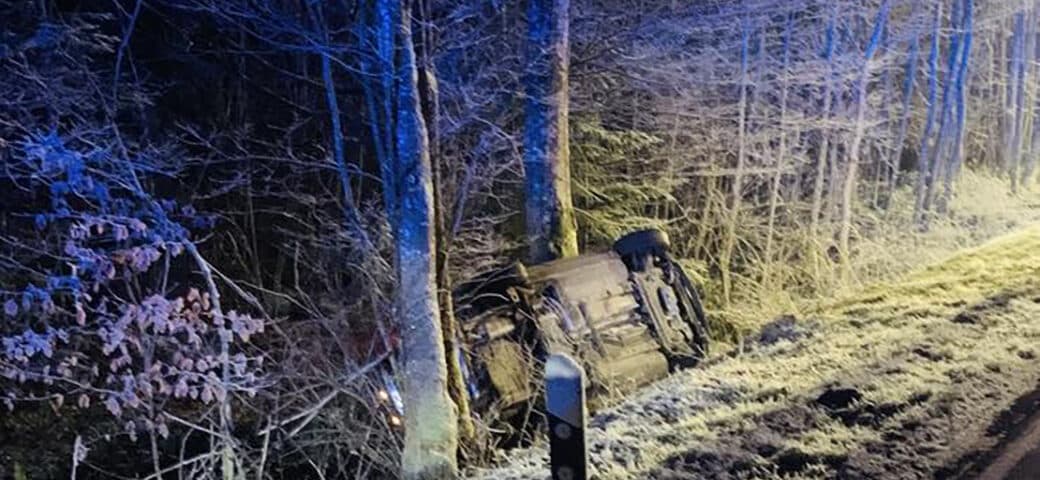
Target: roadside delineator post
point(568, 417)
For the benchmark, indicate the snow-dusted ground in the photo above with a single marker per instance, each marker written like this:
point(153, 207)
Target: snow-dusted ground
point(620, 433)
point(902, 381)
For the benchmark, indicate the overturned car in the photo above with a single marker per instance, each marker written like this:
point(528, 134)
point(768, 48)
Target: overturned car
point(630, 315)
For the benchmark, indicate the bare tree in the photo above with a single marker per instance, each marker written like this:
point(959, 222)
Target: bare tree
point(849, 189)
point(824, 147)
point(736, 188)
point(782, 148)
point(430, 416)
point(962, 63)
point(443, 237)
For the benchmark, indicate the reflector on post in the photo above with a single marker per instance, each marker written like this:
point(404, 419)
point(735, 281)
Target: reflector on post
point(567, 413)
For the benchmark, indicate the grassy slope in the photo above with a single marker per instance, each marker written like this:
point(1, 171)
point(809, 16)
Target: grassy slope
point(887, 245)
point(895, 382)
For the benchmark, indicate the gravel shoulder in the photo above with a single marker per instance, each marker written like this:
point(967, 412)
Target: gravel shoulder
point(902, 381)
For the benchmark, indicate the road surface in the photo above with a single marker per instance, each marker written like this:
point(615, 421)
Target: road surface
point(1018, 458)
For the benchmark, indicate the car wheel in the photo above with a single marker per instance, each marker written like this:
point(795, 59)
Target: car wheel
point(642, 242)
point(696, 317)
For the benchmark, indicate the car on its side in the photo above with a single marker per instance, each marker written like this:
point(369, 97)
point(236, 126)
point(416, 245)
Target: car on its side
point(630, 316)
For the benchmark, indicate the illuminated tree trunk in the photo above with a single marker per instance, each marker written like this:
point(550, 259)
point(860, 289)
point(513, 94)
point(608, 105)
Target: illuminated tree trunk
point(881, 167)
point(904, 119)
point(737, 186)
point(940, 163)
point(849, 190)
point(923, 168)
point(1028, 154)
point(430, 441)
point(953, 170)
point(1016, 97)
point(774, 189)
point(819, 181)
point(430, 95)
point(353, 220)
point(996, 83)
point(551, 226)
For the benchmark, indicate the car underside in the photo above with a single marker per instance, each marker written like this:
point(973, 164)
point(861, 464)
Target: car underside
point(630, 316)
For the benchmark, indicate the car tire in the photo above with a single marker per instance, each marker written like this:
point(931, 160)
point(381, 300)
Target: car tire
point(699, 321)
point(642, 242)
point(700, 326)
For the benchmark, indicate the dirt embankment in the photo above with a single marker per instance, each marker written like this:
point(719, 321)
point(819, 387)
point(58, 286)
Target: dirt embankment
point(906, 380)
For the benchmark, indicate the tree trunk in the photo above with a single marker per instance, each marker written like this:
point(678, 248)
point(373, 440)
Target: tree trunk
point(430, 443)
point(953, 170)
point(923, 168)
point(904, 119)
point(1016, 87)
point(737, 187)
point(996, 83)
point(819, 181)
point(849, 190)
point(551, 226)
point(774, 189)
point(379, 94)
point(350, 211)
point(430, 100)
point(1028, 155)
point(939, 163)
point(882, 167)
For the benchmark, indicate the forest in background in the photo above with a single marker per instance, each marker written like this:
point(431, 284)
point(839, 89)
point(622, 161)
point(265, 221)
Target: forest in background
point(203, 217)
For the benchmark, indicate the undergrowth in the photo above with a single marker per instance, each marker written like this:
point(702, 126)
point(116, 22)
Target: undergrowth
point(887, 244)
